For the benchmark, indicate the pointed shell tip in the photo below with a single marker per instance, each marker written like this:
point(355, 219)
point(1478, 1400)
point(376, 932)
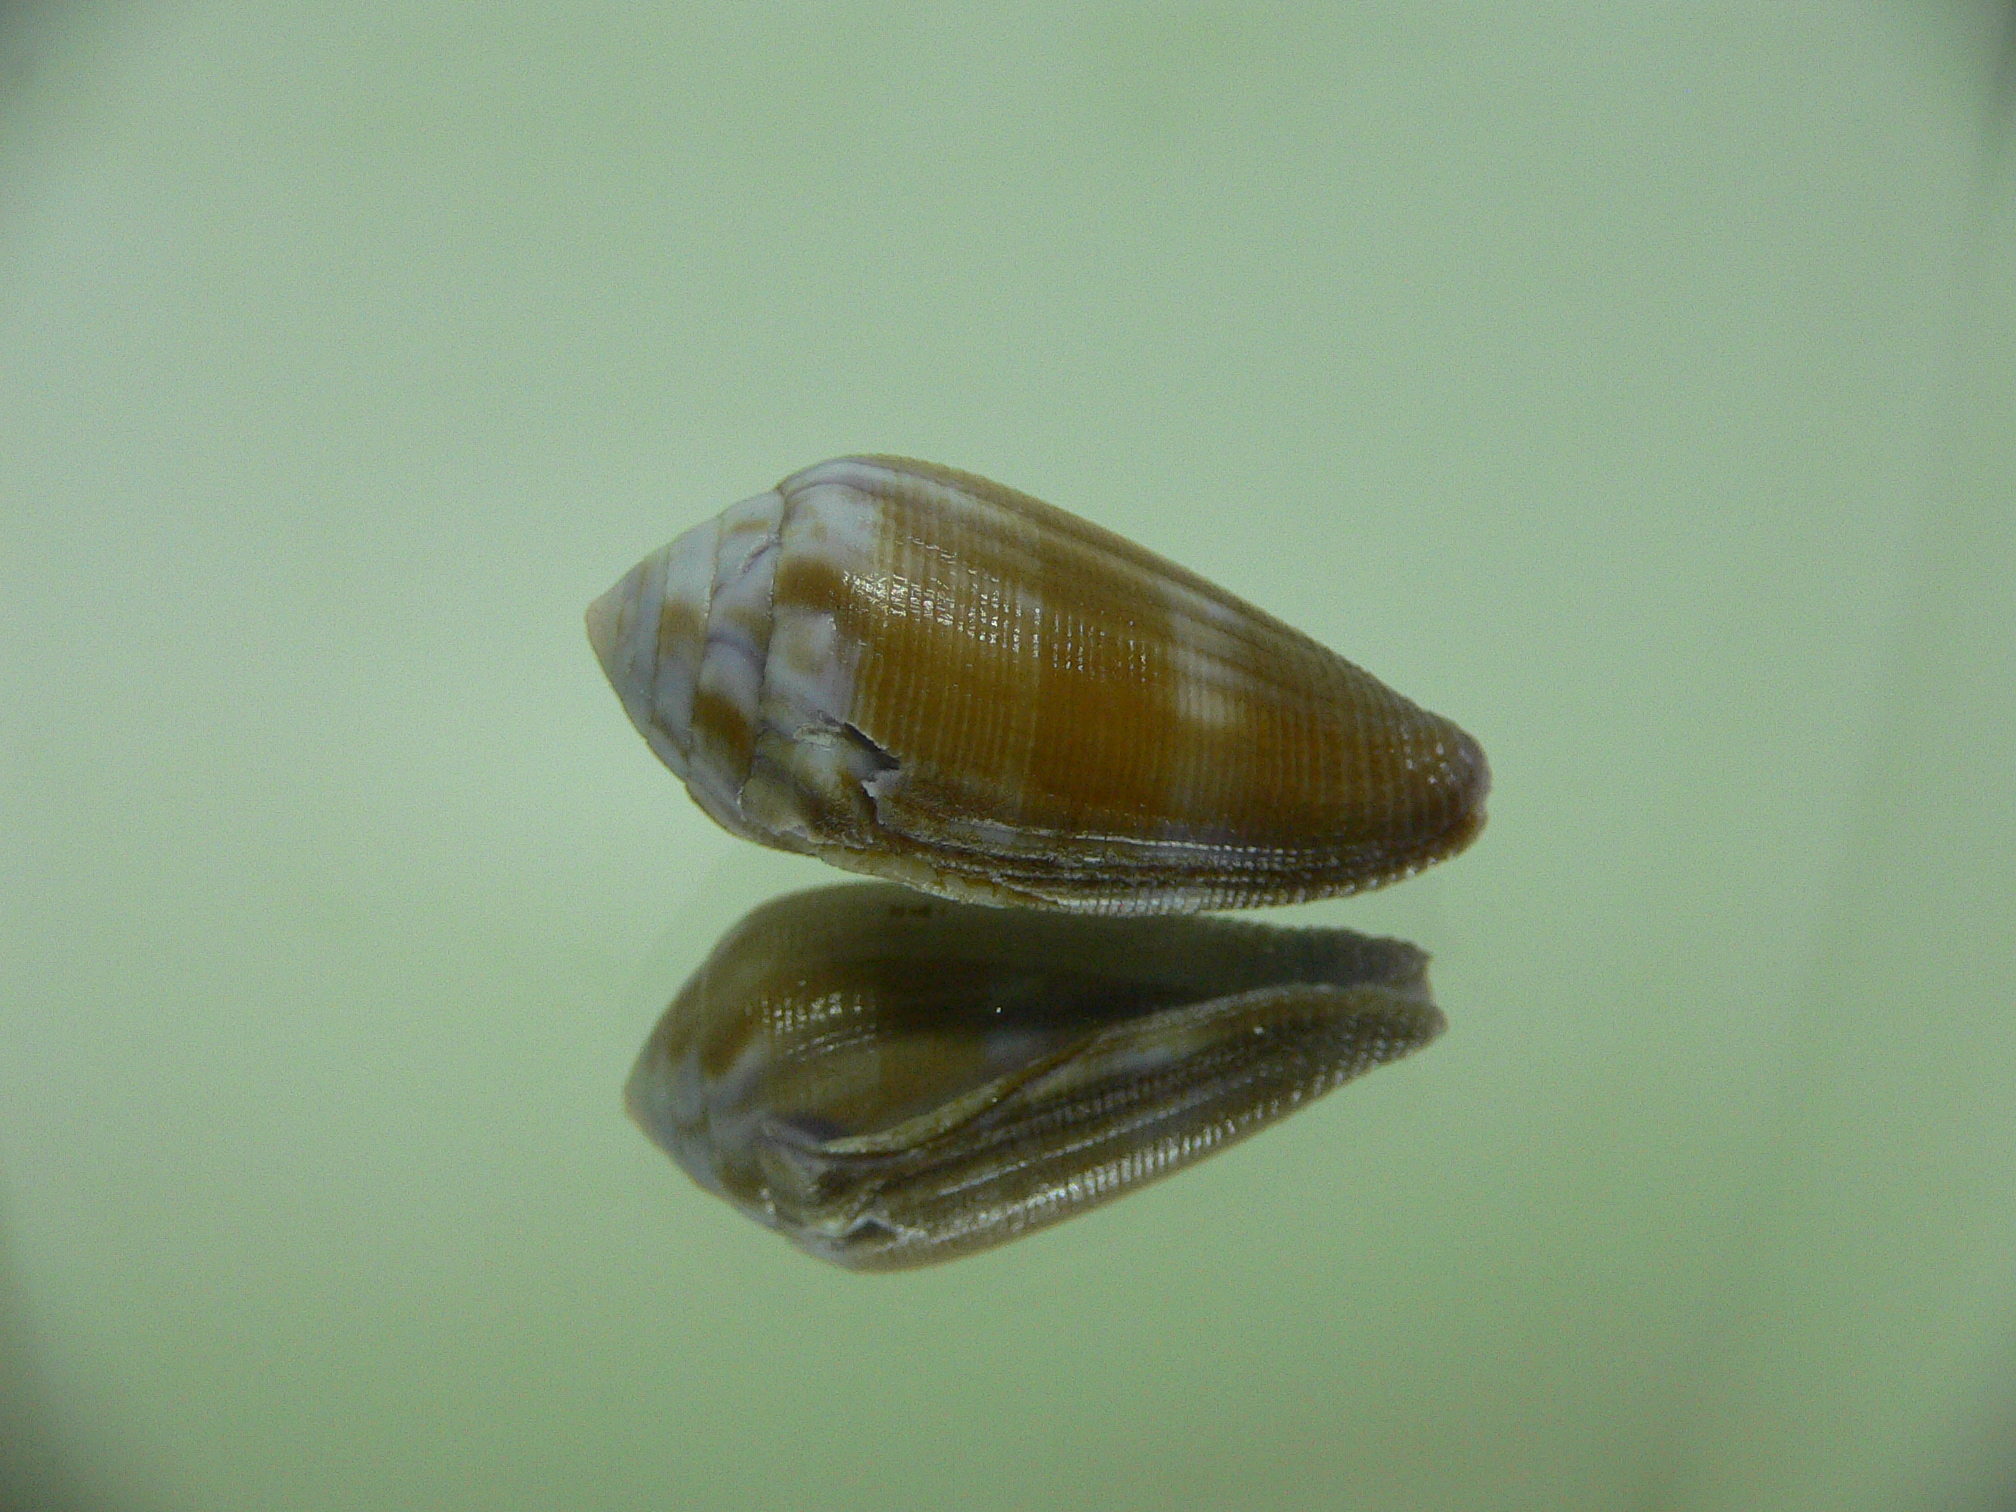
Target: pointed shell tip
point(604, 617)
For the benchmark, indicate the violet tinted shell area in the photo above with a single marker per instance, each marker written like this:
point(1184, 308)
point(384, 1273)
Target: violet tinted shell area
point(922, 675)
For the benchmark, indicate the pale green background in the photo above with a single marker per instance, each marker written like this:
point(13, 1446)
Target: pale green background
point(1632, 383)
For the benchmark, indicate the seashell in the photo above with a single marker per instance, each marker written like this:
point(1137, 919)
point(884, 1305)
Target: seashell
point(918, 674)
point(889, 1079)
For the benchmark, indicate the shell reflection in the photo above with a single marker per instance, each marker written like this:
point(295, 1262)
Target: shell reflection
point(890, 1079)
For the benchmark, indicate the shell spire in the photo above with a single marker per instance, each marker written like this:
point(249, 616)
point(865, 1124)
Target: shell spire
point(921, 675)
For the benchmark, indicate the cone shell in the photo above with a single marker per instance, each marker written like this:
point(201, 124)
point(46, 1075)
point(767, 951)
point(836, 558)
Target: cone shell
point(915, 673)
point(890, 1080)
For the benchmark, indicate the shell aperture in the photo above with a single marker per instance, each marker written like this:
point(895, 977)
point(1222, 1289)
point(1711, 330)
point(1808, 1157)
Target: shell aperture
point(924, 676)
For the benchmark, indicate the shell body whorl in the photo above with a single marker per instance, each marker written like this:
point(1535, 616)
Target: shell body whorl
point(921, 675)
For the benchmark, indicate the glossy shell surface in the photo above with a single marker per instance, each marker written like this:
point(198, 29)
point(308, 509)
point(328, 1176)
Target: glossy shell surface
point(890, 1079)
point(919, 674)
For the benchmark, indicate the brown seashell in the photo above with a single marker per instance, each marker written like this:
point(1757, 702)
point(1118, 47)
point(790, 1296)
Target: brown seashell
point(918, 674)
point(890, 1080)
